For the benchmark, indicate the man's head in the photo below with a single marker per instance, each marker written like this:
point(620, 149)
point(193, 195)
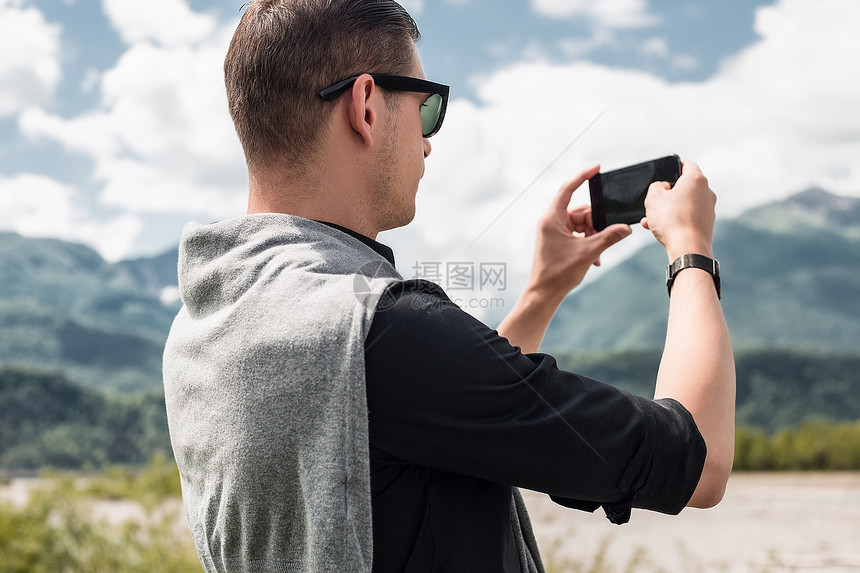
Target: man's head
point(285, 51)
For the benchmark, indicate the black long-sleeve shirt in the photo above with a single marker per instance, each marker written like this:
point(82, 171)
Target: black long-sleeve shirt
point(458, 416)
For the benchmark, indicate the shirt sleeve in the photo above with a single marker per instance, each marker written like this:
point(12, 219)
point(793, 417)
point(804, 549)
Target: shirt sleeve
point(447, 392)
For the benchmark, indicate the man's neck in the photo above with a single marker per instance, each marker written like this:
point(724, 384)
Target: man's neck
point(340, 205)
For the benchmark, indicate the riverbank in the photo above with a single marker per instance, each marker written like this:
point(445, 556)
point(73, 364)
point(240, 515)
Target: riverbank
point(767, 522)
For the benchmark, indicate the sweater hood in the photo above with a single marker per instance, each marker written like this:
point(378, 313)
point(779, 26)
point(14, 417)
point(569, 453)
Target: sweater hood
point(220, 261)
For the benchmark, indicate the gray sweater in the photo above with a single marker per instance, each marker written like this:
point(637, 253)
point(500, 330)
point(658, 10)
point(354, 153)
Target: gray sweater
point(265, 388)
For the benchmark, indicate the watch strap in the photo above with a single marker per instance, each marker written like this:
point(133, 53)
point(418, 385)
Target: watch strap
point(707, 264)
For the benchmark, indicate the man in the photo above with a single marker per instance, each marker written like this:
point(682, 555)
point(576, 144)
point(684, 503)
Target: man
point(327, 415)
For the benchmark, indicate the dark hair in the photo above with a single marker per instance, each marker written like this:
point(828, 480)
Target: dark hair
point(285, 51)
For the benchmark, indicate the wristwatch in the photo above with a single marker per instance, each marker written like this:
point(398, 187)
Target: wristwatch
point(694, 261)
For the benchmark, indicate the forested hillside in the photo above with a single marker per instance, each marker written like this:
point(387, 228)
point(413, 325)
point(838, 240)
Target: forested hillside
point(776, 388)
point(47, 420)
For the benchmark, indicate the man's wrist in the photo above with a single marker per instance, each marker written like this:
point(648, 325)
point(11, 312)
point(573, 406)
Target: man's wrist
point(694, 261)
point(688, 243)
point(703, 249)
point(527, 322)
point(542, 294)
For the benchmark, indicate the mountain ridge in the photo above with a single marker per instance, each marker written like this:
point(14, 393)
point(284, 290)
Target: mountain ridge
point(813, 207)
point(63, 307)
point(790, 280)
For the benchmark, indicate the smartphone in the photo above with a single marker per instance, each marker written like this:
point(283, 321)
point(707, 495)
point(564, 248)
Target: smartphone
point(619, 196)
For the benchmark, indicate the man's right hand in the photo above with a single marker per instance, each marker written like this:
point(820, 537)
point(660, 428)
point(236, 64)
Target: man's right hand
point(682, 217)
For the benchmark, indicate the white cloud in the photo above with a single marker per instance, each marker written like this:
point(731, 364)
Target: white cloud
point(166, 22)
point(655, 46)
point(90, 81)
point(575, 49)
point(29, 65)
point(683, 62)
point(605, 13)
point(778, 117)
point(38, 206)
point(161, 139)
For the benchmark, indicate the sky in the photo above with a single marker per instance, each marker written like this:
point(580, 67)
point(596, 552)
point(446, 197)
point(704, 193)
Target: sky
point(114, 130)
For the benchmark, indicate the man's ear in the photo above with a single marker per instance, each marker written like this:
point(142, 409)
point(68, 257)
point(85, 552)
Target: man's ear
point(363, 105)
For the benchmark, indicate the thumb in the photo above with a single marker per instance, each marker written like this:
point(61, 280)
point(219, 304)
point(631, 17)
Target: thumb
point(608, 237)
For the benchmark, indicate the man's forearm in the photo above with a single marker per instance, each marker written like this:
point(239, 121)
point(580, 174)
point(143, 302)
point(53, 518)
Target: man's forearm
point(527, 322)
point(567, 246)
point(698, 370)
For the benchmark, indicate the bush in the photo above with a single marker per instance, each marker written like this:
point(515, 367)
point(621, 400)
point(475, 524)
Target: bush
point(55, 531)
point(817, 444)
point(156, 483)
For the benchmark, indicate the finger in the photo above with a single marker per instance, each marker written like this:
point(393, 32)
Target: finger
point(690, 168)
point(658, 185)
point(619, 230)
point(654, 190)
point(562, 198)
point(579, 211)
point(607, 237)
point(579, 218)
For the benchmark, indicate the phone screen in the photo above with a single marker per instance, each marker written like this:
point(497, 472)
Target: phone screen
point(619, 196)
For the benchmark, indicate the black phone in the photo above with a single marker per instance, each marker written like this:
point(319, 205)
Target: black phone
point(619, 196)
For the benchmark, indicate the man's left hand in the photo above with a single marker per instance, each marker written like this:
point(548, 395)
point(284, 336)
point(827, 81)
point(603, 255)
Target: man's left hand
point(567, 244)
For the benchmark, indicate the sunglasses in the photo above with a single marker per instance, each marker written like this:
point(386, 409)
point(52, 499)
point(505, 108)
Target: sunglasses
point(432, 111)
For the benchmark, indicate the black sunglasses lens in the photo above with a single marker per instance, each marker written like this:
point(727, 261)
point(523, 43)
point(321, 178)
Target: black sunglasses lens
point(430, 112)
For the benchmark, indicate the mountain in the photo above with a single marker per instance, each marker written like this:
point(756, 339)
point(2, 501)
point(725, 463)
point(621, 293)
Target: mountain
point(155, 275)
point(63, 307)
point(790, 279)
point(811, 209)
point(75, 281)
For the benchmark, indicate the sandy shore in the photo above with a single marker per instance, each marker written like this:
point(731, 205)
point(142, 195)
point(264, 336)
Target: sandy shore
point(765, 523)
